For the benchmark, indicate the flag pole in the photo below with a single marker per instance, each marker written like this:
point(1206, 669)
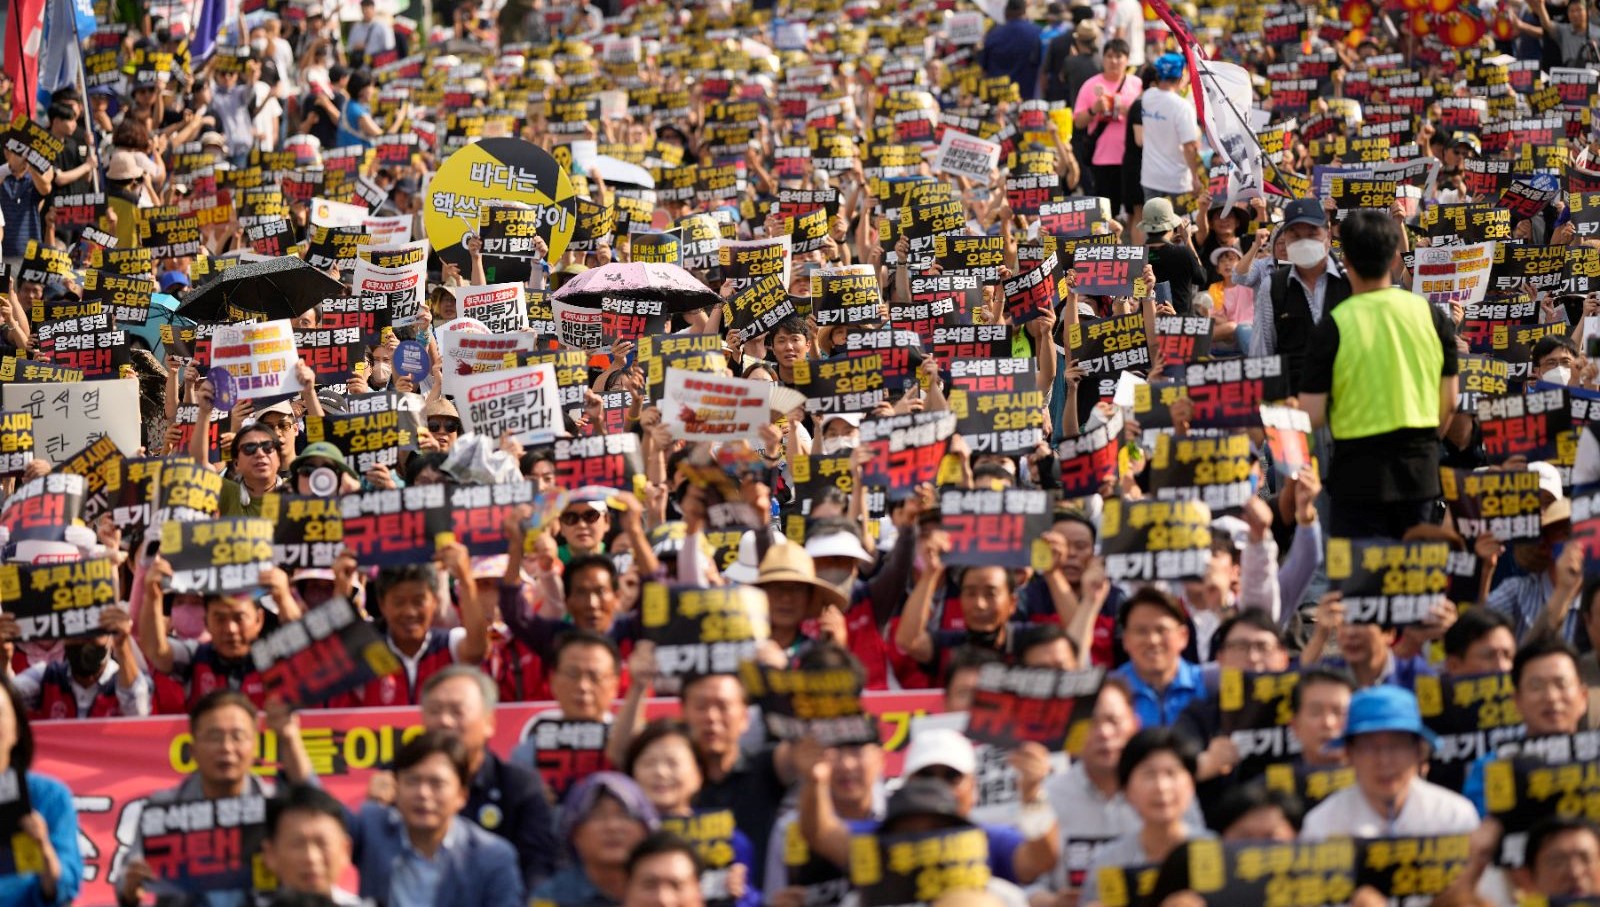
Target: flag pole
point(83, 94)
point(22, 57)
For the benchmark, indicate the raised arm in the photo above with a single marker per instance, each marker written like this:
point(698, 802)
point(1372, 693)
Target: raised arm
point(912, 633)
point(152, 624)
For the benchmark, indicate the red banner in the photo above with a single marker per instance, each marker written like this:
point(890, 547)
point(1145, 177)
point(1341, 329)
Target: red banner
point(112, 764)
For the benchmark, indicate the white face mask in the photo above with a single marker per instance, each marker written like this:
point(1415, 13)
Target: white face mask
point(1558, 375)
point(839, 444)
point(259, 46)
point(1307, 253)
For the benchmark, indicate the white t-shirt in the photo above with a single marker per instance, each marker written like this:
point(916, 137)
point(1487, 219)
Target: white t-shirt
point(1126, 19)
point(1429, 810)
point(1169, 124)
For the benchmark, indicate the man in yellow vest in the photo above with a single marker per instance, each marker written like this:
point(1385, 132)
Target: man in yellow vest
point(1381, 373)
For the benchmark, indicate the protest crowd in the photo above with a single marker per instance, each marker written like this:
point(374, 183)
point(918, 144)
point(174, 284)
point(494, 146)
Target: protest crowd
point(976, 453)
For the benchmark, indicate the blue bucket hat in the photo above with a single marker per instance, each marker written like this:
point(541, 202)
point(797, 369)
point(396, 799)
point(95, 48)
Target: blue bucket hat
point(1384, 708)
point(1169, 66)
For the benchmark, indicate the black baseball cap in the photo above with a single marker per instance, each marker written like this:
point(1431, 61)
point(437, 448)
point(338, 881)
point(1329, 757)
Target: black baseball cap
point(1304, 211)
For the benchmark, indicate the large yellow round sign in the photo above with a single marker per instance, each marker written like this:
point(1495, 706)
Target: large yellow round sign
point(498, 170)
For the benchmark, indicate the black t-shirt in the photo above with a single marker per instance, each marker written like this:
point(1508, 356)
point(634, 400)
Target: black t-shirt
point(1401, 465)
point(754, 792)
point(1177, 265)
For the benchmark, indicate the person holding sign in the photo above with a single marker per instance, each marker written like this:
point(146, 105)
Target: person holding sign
point(49, 825)
point(408, 601)
point(235, 621)
point(222, 725)
point(1381, 374)
point(88, 682)
point(1550, 697)
point(1388, 746)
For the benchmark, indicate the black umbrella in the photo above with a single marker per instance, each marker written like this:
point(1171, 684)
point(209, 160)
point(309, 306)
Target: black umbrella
point(274, 289)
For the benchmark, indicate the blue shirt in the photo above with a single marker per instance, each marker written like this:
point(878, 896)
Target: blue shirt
point(350, 124)
point(1162, 708)
point(19, 202)
point(1400, 672)
point(1013, 49)
point(52, 800)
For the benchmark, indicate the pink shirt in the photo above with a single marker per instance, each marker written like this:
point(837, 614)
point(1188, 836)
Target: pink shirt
point(1114, 140)
point(1239, 304)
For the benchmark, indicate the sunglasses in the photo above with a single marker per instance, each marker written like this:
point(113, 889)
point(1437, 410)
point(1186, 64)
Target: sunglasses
point(572, 518)
point(444, 426)
point(251, 448)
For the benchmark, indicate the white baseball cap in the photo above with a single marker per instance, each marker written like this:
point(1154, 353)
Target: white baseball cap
point(940, 746)
point(837, 544)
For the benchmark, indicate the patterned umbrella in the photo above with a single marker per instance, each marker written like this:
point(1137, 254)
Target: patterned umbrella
point(678, 290)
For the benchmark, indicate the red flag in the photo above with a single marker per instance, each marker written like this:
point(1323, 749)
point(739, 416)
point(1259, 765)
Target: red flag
point(23, 32)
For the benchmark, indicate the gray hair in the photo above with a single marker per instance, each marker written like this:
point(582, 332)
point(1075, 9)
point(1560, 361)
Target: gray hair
point(486, 684)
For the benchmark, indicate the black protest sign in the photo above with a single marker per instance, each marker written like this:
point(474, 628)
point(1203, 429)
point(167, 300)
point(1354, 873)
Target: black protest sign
point(1180, 339)
point(1407, 868)
point(41, 264)
point(1075, 217)
point(1032, 183)
point(1465, 223)
point(132, 495)
point(29, 371)
point(812, 476)
point(608, 460)
point(170, 237)
point(45, 507)
point(188, 491)
point(1310, 785)
point(332, 354)
point(918, 868)
point(1010, 375)
point(1542, 267)
point(1583, 269)
point(572, 371)
point(38, 146)
point(91, 344)
point(1256, 709)
point(368, 315)
point(630, 319)
point(959, 294)
point(1526, 424)
point(58, 601)
point(982, 256)
point(1228, 393)
point(1504, 503)
point(971, 341)
point(1150, 540)
point(808, 232)
point(567, 751)
point(592, 224)
point(695, 352)
point(699, 237)
point(1033, 292)
point(366, 439)
point(711, 832)
point(217, 556)
point(198, 846)
point(1215, 470)
point(703, 631)
point(1108, 270)
point(16, 442)
point(97, 462)
point(1349, 194)
point(749, 261)
point(1016, 704)
point(1288, 874)
point(128, 298)
point(1515, 344)
point(843, 384)
point(759, 307)
point(1089, 460)
point(990, 527)
point(509, 231)
point(1391, 584)
point(907, 450)
point(1473, 715)
point(310, 530)
point(824, 704)
point(407, 525)
point(332, 650)
point(920, 223)
point(848, 294)
point(1481, 377)
point(1011, 424)
point(1105, 349)
point(1538, 777)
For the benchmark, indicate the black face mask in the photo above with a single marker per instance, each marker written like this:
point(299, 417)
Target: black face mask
point(88, 659)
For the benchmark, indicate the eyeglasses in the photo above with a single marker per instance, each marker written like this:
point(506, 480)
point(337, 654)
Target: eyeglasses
point(251, 448)
point(277, 425)
point(573, 517)
point(444, 426)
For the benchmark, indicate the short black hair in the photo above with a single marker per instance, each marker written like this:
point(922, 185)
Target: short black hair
point(659, 843)
point(254, 428)
point(390, 577)
point(1549, 828)
point(302, 798)
point(993, 471)
point(1309, 676)
point(577, 636)
point(1116, 46)
point(1540, 646)
point(1240, 800)
point(1150, 595)
point(217, 700)
point(690, 681)
point(1151, 741)
point(1548, 344)
point(794, 324)
point(659, 729)
point(1473, 625)
point(1249, 617)
point(1370, 239)
point(972, 657)
point(1074, 516)
point(1039, 635)
point(825, 655)
point(588, 562)
point(432, 743)
point(418, 462)
point(22, 750)
point(60, 111)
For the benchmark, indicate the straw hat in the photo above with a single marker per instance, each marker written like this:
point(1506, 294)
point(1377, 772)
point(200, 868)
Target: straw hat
point(791, 564)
